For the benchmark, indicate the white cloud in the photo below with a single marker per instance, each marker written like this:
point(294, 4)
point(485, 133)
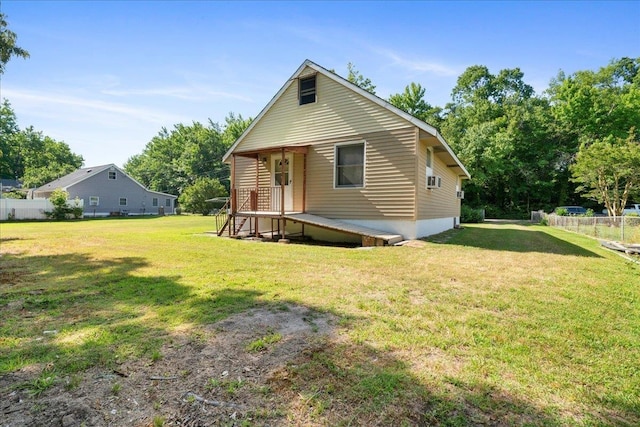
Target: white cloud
point(186, 93)
point(419, 66)
point(56, 104)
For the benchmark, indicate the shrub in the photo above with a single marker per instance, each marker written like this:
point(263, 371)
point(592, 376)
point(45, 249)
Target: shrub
point(471, 215)
point(13, 194)
point(194, 198)
point(61, 209)
point(561, 212)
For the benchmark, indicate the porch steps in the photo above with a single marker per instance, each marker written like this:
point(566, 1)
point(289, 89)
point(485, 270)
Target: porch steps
point(239, 226)
point(370, 236)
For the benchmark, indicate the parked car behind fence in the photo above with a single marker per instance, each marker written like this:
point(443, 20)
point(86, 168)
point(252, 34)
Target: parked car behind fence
point(570, 210)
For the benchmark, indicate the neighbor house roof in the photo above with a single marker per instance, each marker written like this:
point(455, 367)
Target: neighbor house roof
point(373, 98)
point(73, 178)
point(10, 184)
point(84, 173)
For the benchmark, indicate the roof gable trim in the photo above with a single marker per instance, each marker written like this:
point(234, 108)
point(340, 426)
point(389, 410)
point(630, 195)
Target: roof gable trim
point(355, 88)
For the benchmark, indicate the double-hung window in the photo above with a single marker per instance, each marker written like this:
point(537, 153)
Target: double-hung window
point(94, 201)
point(349, 165)
point(123, 201)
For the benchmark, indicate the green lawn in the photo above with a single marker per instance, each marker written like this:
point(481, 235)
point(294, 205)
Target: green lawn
point(493, 324)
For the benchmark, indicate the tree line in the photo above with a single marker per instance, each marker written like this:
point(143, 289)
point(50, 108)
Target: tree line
point(575, 143)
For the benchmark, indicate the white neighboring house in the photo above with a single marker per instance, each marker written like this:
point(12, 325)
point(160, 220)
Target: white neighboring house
point(108, 190)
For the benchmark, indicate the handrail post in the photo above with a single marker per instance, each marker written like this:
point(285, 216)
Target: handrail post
point(282, 184)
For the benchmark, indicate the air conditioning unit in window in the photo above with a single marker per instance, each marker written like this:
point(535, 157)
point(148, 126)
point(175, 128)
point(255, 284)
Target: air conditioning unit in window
point(460, 194)
point(434, 181)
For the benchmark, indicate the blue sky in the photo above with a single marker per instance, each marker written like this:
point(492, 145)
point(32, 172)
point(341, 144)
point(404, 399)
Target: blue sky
point(105, 77)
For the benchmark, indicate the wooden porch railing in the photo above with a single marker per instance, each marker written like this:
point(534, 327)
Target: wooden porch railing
point(246, 199)
point(222, 217)
point(260, 199)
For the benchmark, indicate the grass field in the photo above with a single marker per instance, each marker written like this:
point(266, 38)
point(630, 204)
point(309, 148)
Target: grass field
point(495, 324)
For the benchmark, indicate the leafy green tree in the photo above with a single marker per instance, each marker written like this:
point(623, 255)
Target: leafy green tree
point(30, 156)
point(9, 132)
point(412, 101)
point(502, 132)
point(591, 107)
point(194, 198)
point(8, 46)
point(608, 170)
point(173, 160)
point(358, 79)
point(234, 127)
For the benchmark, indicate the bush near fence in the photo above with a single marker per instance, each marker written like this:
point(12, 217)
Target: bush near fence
point(13, 209)
point(625, 229)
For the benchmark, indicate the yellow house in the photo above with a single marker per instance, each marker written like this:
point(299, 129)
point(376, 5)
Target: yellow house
point(329, 160)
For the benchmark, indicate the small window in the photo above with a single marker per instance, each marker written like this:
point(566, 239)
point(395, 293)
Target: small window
point(112, 174)
point(154, 202)
point(307, 87)
point(278, 172)
point(123, 201)
point(349, 161)
point(94, 201)
point(429, 161)
point(167, 202)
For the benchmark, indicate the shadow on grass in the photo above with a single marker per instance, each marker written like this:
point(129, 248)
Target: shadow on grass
point(101, 310)
point(510, 237)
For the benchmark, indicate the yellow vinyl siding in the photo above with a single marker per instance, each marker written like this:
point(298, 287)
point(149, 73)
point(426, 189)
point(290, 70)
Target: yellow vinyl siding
point(337, 112)
point(389, 191)
point(438, 202)
point(245, 172)
point(298, 182)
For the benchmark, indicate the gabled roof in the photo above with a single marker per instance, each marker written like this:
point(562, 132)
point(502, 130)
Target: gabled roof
point(84, 173)
point(10, 183)
point(73, 178)
point(355, 88)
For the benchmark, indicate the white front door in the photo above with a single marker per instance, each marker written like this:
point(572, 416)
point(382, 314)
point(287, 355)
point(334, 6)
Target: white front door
point(277, 169)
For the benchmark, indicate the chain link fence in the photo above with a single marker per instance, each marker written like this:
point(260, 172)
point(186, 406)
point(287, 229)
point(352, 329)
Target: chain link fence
point(624, 229)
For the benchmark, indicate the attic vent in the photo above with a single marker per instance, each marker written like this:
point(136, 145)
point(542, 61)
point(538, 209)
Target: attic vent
point(307, 89)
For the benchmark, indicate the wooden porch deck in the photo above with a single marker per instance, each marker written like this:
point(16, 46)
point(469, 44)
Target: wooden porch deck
point(370, 236)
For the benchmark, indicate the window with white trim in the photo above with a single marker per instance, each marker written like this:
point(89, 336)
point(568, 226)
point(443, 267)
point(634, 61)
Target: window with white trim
point(94, 201)
point(307, 90)
point(349, 165)
point(112, 175)
point(154, 202)
point(123, 201)
point(429, 161)
point(167, 202)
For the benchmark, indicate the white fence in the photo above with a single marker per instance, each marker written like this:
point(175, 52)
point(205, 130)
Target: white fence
point(625, 229)
point(29, 209)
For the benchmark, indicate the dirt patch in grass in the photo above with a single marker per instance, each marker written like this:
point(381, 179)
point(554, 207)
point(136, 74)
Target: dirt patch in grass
point(218, 375)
